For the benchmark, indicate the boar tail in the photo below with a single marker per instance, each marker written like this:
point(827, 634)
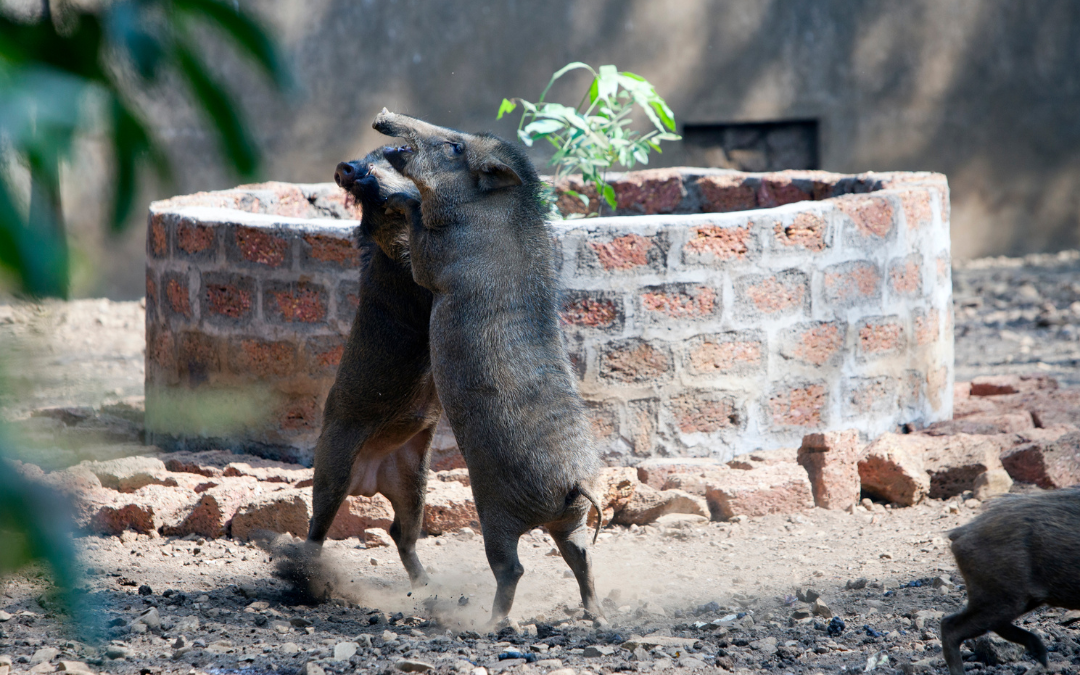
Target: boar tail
point(599, 511)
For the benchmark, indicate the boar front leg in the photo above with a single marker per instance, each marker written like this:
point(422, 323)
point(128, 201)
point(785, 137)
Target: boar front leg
point(403, 480)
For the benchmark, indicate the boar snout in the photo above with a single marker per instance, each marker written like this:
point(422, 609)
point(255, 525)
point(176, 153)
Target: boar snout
point(347, 173)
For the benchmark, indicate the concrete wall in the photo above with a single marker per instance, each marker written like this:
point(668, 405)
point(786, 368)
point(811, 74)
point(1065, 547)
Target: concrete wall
point(984, 91)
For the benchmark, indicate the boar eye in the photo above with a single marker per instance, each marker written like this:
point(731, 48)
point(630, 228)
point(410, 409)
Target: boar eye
point(456, 148)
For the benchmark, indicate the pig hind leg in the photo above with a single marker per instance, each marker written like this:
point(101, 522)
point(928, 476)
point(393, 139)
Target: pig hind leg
point(500, 545)
point(984, 612)
point(572, 539)
point(403, 480)
point(1023, 637)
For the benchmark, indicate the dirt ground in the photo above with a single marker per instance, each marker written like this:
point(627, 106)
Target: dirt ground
point(705, 596)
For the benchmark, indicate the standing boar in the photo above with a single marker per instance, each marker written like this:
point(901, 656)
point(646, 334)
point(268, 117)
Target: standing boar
point(1023, 552)
point(479, 242)
point(382, 410)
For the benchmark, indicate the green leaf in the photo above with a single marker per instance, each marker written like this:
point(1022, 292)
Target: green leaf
point(237, 146)
point(573, 193)
point(248, 36)
point(664, 112)
point(608, 193)
point(607, 82)
point(544, 125)
point(525, 137)
point(564, 70)
point(507, 106)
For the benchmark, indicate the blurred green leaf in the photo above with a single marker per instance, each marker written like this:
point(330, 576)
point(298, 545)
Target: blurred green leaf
point(507, 106)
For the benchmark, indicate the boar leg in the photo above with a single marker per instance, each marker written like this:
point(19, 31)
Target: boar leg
point(336, 450)
point(403, 480)
point(1022, 637)
point(500, 544)
point(573, 542)
point(975, 620)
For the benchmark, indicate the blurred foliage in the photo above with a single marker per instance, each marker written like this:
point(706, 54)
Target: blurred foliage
point(597, 134)
point(71, 72)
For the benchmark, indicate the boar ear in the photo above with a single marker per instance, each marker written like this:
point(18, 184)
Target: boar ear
point(494, 175)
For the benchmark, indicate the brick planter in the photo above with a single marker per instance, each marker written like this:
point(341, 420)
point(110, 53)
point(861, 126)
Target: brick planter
point(739, 311)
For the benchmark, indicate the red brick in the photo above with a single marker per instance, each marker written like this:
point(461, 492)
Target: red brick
point(339, 251)
point(1049, 464)
point(568, 204)
point(831, 461)
point(198, 355)
point(655, 472)
point(301, 413)
point(873, 216)
point(999, 385)
point(905, 276)
point(955, 462)
point(258, 246)
point(151, 294)
point(816, 344)
point(936, 381)
point(634, 361)
point(649, 191)
point(177, 293)
point(765, 489)
point(159, 236)
point(918, 211)
point(852, 283)
point(261, 359)
point(927, 325)
point(726, 192)
point(642, 421)
point(646, 505)
point(449, 508)
point(624, 253)
point(702, 412)
point(160, 349)
point(227, 297)
point(944, 267)
point(194, 238)
point(911, 389)
point(892, 468)
point(777, 189)
point(867, 395)
point(359, 513)
point(616, 487)
point(714, 357)
point(680, 301)
point(296, 303)
point(603, 419)
point(881, 336)
point(783, 293)
point(324, 353)
point(807, 231)
point(591, 310)
point(712, 242)
point(799, 406)
point(983, 424)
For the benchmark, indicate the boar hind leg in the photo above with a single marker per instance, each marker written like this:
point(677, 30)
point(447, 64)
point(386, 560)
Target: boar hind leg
point(334, 455)
point(975, 620)
point(1020, 636)
point(573, 542)
point(403, 480)
point(500, 544)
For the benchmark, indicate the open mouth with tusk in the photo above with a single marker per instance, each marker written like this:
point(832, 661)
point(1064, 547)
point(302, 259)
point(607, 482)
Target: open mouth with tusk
point(399, 156)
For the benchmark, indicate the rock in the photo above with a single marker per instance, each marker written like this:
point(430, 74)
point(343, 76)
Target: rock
point(187, 624)
point(4, 616)
point(691, 663)
point(807, 594)
point(74, 667)
point(681, 521)
point(765, 489)
point(597, 651)
point(377, 538)
point(925, 616)
point(941, 582)
point(819, 608)
point(389, 636)
point(954, 462)
point(311, 668)
point(1053, 464)
point(649, 642)
point(150, 618)
point(891, 468)
point(559, 671)
point(280, 627)
point(145, 590)
point(128, 474)
point(647, 504)
point(289, 648)
point(692, 483)
point(281, 511)
point(767, 457)
point(359, 513)
point(118, 651)
point(653, 472)
point(266, 470)
point(997, 385)
point(991, 483)
point(983, 424)
point(831, 461)
point(449, 507)
point(209, 463)
point(299, 622)
point(220, 647)
point(343, 651)
point(993, 651)
point(413, 666)
point(856, 584)
point(767, 645)
point(212, 514)
point(149, 509)
point(616, 486)
point(44, 654)
point(458, 475)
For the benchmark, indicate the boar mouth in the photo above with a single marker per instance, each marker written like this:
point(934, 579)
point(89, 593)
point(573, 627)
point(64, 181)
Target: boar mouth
point(398, 157)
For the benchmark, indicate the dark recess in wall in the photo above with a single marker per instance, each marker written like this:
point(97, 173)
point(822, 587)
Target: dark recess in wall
point(753, 146)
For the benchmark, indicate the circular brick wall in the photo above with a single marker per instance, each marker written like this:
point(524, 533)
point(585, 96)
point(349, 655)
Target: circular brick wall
point(718, 313)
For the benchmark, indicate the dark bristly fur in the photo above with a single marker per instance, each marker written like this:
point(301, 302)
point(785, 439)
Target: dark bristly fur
point(382, 410)
point(479, 242)
point(1023, 552)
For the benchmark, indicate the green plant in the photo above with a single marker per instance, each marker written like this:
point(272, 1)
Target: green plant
point(598, 133)
point(69, 73)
